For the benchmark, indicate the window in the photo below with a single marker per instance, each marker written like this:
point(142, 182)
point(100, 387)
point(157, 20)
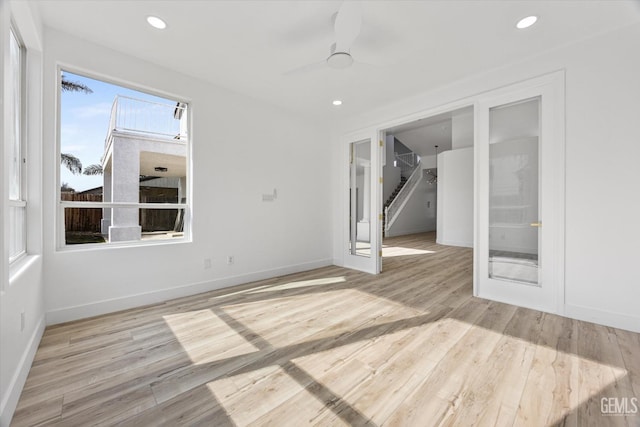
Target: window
point(17, 199)
point(123, 164)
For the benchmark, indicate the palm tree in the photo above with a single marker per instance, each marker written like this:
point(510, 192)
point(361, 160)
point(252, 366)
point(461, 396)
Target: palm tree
point(65, 188)
point(94, 169)
point(70, 161)
point(69, 86)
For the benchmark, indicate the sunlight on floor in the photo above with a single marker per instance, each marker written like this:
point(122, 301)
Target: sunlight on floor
point(205, 337)
point(243, 291)
point(393, 251)
point(298, 319)
point(394, 357)
point(249, 396)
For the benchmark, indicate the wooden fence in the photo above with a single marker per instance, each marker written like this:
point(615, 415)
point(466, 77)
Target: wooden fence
point(88, 219)
point(79, 219)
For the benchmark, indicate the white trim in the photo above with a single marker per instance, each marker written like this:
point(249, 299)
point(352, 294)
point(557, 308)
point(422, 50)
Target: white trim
point(17, 203)
point(410, 231)
point(67, 314)
point(467, 101)
point(603, 317)
point(20, 265)
point(371, 263)
point(59, 243)
point(126, 244)
point(102, 205)
point(549, 297)
point(461, 243)
point(10, 400)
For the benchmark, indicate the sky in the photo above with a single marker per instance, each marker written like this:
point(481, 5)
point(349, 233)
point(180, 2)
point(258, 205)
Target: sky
point(84, 122)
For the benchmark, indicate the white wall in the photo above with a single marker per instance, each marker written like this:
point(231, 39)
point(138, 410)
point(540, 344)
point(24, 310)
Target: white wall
point(455, 198)
point(602, 152)
point(276, 150)
point(429, 162)
point(462, 130)
point(21, 285)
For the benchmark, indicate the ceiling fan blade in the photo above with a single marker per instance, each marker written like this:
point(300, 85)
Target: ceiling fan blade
point(307, 68)
point(348, 24)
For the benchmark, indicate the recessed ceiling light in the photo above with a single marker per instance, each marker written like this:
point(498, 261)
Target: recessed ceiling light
point(337, 102)
point(526, 22)
point(156, 22)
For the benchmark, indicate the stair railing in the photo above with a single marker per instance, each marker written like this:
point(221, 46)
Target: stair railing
point(395, 207)
point(407, 162)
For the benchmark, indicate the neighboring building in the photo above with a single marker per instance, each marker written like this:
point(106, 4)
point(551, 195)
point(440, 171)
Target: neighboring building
point(144, 139)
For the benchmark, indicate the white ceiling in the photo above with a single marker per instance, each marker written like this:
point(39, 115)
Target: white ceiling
point(248, 46)
point(423, 140)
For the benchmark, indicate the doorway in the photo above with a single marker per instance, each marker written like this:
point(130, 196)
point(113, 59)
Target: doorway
point(428, 180)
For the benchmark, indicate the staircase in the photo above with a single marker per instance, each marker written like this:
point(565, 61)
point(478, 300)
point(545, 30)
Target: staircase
point(403, 181)
point(410, 174)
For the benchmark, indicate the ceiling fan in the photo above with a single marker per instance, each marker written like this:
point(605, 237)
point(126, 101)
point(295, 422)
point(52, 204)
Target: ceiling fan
point(347, 26)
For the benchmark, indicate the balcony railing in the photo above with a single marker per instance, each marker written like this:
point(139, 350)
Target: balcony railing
point(407, 163)
point(148, 117)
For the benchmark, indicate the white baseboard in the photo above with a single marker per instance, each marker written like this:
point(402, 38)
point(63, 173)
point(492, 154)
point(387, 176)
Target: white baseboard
point(68, 314)
point(392, 233)
point(454, 243)
point(602, 317)
point(10, 400)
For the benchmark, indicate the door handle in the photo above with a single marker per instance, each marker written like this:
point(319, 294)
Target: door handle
point(536, 224)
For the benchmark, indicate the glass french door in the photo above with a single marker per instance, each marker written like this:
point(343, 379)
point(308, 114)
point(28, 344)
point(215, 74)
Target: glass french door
point(519, 214)
point(362, 216)
point(514, 192)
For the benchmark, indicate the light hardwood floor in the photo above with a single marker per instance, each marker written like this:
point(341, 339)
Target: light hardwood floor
point(410, 347)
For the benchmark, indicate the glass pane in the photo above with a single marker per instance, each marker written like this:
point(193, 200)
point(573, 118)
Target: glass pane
point(133, 149)
point(87, 225)
point(14, 122)
point(83, 226)
point(513, 192)
point(360, 198)
point(125, 144)
point(17, 231)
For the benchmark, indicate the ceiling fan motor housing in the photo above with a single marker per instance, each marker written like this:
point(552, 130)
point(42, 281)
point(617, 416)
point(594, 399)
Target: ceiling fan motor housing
point(339, 60)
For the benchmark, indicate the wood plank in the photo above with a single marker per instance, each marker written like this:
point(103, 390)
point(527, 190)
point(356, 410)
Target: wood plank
point(333, 346)
point(550, 393)
point(456, 372)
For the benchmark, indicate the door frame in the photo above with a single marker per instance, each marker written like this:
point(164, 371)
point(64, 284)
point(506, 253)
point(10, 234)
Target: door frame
point(372, 263)
point(551, 86)
point(377, 133)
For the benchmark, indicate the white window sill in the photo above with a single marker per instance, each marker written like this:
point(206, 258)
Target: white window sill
point(20, 265)
point(123, 245)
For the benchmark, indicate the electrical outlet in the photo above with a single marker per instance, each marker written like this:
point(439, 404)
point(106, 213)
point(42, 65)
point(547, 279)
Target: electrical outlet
point(230, 260)
point(207, 263)
point(22, 320)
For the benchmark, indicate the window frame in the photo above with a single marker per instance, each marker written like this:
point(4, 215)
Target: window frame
point(19, 110)
point(61, 205)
